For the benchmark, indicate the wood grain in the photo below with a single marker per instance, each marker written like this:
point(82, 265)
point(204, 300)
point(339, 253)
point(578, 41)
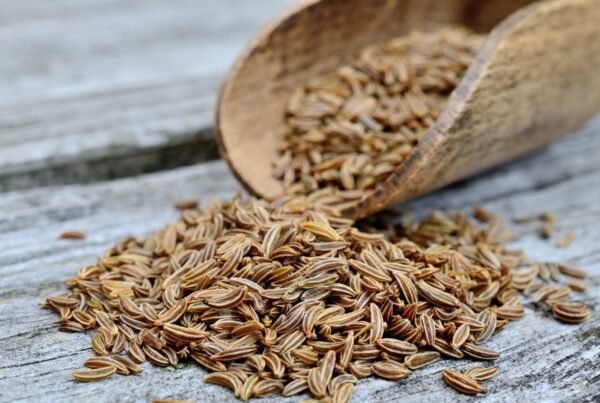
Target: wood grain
point(100, 89)
point(541, 358)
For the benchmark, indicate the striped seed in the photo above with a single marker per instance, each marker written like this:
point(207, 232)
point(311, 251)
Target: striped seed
point(462, 383)
point(92, 375)
point(390, 370)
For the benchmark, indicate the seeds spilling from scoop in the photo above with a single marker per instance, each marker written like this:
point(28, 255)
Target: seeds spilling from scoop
point(350, 130)
point(290, 297)
point(286, 298)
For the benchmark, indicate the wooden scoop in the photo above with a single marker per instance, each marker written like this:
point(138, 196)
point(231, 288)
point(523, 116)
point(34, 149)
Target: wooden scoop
point(536, 78)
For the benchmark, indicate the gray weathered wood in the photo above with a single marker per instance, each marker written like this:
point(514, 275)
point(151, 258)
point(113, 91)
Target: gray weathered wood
point(541, 358)
point(104, 88)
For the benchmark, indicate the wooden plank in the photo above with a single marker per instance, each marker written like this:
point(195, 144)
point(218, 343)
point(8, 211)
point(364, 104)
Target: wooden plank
point(106, 88)
point(541, 358)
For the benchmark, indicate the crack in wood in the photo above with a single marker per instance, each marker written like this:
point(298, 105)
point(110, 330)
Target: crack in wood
point(201, 147)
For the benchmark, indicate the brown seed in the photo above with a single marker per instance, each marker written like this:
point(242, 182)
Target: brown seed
point(207, 362)
point(135, 352)
point(408, 287)
point(156, 357)
point(234, 353)
point(461, 335)
point(72, 234)
point(340, 380)
point(510, 312)
point(92, 375)
point(248, 387)
point(295, 387)
point(481, 374)
point(327, 367)
point(478, 352)
point(315, 385)
point(72, 327)
point(490, 326)
point(344, 393)
point(570, 312)
point(361, 369)
point(84, 318)
point(323, 231)
point(171, 401)
point(462, 383)
point(429, 329)
point(184, 334)
point(102, 362)
point(186, 204)
point(105, 322)
point(390, 370)
point(291, 342)
point(229, 300)
point(447, 349)
point(437, 296)
point(565, 240)
point(397, 347)
point(377, 324)
point(170, 239)
point(267, 387)
point(575, 285)
point(98, 345)
point(172, 314)
point(572, 271)
point(419, 360)
point(227, 379)
point(128, 363)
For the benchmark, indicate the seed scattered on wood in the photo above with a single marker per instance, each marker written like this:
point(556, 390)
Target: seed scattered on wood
point(548, 228)
point(481, 374)
point(565, 240)
point(213, 288)
point(102, 362)
point(227, 379)
point(570, 312)
point(171, 401)
point(462, 383)
point(186, 204)
point(478, 352)
point(577, 286)
point(572, 271)
point(92, 375)
point(344, 393)
point(72, 234)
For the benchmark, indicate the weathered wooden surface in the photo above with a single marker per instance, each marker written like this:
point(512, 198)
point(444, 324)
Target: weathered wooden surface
point(541, 358)
point(99, 89)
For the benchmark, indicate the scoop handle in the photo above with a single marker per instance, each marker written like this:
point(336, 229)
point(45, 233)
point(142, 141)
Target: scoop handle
point(536, 79)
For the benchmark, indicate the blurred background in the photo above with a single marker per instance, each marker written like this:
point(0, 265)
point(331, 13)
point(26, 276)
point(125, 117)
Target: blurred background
point(99, 89)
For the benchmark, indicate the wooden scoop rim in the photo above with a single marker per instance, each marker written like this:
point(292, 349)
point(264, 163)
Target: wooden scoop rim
point(433, 137)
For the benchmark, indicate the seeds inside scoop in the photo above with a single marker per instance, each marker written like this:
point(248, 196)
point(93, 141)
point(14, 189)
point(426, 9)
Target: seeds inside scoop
point(91, 375)
point(350, 130)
